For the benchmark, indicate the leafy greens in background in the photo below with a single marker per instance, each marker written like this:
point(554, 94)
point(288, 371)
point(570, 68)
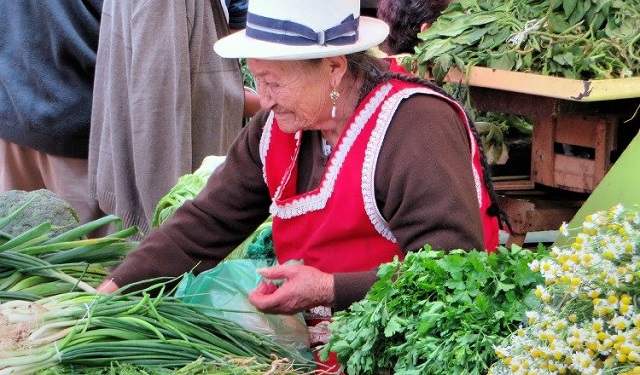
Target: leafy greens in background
point(187, 187)
point(436, 313)
point(579, 39)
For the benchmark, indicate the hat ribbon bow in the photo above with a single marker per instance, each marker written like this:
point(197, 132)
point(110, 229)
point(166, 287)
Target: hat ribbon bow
point(295, 34)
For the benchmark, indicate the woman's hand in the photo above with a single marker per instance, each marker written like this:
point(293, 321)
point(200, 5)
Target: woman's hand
point(107, 287)
point(304, 287)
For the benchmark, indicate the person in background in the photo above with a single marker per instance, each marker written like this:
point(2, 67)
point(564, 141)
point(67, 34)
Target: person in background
point(47, 62)
point(356, 164)
point(163, 99)
point(406, 19)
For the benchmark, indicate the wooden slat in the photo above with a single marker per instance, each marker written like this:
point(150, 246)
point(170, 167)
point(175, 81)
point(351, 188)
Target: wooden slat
point(605, 143)
point(513, 185)
point(573, 173)
point(542, 151)
point(555, 87)
point(577, 130)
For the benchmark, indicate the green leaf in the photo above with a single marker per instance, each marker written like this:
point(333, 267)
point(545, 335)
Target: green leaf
point(504, 62)
point(436, 48)
point(557, 23)
point(504, 287)
point(565, 59)
point(487, 42)
point(468, 3)
point(578, 13)
point(442, 66)
point(395, 325)
point(568, 7)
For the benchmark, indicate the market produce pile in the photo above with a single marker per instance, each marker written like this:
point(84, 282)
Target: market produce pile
point(571, 309)
point(186, 188)
point(46, 259)
point(52, 321)
point(580, 39)
point(28, 209)
point(96, 330)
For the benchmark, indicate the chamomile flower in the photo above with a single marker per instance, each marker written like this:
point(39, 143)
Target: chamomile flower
point(588, 320)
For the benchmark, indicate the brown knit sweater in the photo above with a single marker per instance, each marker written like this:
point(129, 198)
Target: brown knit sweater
point(424, 189)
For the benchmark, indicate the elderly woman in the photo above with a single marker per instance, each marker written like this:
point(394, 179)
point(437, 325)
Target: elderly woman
point(355, 164)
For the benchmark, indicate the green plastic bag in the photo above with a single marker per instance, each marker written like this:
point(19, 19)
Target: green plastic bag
point(223, 292)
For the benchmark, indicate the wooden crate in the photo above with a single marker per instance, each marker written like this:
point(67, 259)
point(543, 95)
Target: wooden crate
point(533, 214)
point(573, 112)
point(581, 113)
point(552, 165)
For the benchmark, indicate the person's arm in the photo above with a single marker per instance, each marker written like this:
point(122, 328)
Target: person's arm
point(251, 102)
point(202, 232)
point(428, 191)
point(424, 186)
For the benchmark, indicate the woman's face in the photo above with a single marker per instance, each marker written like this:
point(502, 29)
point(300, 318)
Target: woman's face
point(296, 91)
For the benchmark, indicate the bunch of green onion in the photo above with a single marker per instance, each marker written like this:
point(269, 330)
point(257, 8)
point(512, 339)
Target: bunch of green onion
point(34, 265)
point(96, 330)
point(52, 318)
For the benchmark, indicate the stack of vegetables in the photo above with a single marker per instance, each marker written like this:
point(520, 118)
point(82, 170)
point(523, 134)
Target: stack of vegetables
point(514, 311)
point(186, 188)
point(570, 310)
point(437, 313)
point(580, 39)
point(94, 330)
point(51, 317)
point(44, 251)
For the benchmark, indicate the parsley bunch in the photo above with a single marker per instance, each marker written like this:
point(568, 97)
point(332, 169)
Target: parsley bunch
point(436, 313)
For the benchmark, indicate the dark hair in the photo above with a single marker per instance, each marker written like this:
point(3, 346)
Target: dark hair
point(374, 71)
point(404, 18)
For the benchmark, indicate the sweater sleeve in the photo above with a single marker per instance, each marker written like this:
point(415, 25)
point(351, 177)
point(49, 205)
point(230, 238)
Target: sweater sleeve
point(204, 231)
point(424, 187)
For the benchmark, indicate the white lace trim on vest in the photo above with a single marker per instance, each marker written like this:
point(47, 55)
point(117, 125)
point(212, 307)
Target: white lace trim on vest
point(372, 152)
point(317, 200)
point(265, 140)
point(479, 183)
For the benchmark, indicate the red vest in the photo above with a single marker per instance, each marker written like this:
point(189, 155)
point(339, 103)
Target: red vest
point(337, 227)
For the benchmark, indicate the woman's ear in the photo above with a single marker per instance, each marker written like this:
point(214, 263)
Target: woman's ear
point(337, 68)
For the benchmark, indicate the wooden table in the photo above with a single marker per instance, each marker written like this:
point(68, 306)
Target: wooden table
point(566, 114)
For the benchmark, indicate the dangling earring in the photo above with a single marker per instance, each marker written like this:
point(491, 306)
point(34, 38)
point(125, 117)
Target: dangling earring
point(334, 96)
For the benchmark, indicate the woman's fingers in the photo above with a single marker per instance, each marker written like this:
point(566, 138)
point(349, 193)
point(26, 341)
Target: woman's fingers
point(107, 287)
point(302, 288)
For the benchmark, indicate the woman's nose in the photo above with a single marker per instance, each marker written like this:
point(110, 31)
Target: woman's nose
point(266, 100)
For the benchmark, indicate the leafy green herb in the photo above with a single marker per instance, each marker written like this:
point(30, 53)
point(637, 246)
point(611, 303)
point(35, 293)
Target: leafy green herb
point(436, 313)
point(586, 39)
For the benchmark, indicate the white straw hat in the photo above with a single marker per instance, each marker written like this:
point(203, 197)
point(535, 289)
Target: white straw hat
point(302, 29)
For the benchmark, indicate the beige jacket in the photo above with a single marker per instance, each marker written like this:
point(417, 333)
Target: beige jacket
point(163, 100)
